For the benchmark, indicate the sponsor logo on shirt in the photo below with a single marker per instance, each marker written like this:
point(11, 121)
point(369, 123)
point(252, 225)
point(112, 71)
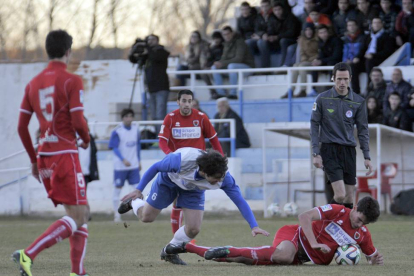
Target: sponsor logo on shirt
point(326, 207)
point(338, 234)
point(186, 133)
point(340, 222)
point(49, 138)
point(177, 124)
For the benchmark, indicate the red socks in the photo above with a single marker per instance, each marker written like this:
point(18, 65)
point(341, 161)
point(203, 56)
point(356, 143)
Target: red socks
point(176, 219)
point(261, 254)
point(58, 231)
point(78, 242)
point(199, 250)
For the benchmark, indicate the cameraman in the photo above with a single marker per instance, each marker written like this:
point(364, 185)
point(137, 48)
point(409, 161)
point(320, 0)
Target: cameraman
point(155, 62)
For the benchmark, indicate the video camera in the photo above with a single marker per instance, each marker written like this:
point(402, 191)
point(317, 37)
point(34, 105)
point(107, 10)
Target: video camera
point(137, 51)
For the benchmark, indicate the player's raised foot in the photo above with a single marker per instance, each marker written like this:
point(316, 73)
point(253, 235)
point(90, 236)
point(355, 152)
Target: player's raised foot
point(24, 262)
point(125, 206)
point(175, 248)
point(74, 274)
point(171, 258)
point(217, 252)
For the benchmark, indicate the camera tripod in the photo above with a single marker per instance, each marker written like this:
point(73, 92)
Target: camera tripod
point(141, 74)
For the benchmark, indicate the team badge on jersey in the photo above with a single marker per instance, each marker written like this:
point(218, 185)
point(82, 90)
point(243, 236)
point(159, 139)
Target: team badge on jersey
point(357, 235)
point(349, 114)
point(196, 123)
point(326, 207)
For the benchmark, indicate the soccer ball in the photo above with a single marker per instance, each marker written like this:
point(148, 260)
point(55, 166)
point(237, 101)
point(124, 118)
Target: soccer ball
point(290, 209)
point(274, 210)
point(347, 255)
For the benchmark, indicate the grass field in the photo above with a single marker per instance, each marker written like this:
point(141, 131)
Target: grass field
point(115, 250)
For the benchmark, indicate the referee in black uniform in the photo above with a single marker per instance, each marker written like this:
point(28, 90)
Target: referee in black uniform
point(334, 114)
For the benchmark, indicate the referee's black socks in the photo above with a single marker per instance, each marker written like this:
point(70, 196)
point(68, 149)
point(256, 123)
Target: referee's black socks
point(347, 205)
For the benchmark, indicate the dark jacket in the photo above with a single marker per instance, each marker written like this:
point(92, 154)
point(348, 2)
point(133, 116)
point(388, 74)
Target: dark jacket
point(236, 51)
point(214, 54)
point(403, 88)
point(378, 93)
point(389, 20)
point(333, 119)
point(330, 52)
point(260, 26)
point(223, 129)
point(287, 27)
point(156, 63)
point(352, 46)
point(245, 25)
point(93, 166)
point(364, 20)
point(385, 48)
point(398, 119)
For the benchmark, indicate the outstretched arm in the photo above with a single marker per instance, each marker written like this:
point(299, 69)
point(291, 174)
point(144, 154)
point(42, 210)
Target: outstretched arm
point(305, 221)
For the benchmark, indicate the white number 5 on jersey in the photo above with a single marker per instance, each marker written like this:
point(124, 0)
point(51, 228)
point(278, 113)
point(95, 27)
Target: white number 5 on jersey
point(46, 100)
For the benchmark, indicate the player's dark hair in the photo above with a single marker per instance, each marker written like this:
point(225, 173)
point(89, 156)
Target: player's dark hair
point(245, 4)
point(212, 163)
point(185, 92)
point(127, 111)
point(227, 28)
point(341, 66)
point(369, 207)
point(57, 43)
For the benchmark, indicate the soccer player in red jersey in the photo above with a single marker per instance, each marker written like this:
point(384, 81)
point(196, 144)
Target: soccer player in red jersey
point(186, 127)
point(55, 96)
point(320, 231)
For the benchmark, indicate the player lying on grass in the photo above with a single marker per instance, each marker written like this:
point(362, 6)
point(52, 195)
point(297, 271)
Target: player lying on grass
point(319, 232)
point(186, 174)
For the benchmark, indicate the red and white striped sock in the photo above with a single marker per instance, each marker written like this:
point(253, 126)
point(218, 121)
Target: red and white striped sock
point(78, 242)
point(58, 231)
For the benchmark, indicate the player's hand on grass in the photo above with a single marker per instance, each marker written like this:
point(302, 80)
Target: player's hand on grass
point(35, 172)
point(322, 247)
point(317, 161)
point(377, 259)
point(134, 195)
point(126, 162)
point(256, 231)
point(368, 166)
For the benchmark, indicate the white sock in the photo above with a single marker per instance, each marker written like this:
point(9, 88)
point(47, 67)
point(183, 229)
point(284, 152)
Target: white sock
point(180, 236)
point(136, 204)
point(115, 199)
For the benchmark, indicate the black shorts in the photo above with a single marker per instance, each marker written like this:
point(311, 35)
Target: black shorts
point(339, 163)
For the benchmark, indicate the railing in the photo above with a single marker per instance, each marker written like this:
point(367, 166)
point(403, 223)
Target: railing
point(241, 81)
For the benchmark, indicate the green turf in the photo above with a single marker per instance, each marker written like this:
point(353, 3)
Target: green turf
point(115, 250)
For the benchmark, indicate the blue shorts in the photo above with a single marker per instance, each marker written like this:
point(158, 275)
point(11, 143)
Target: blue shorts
point(164, 191)
point(132, 176)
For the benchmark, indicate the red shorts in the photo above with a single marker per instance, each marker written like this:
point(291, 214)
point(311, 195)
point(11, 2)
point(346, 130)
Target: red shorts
point(288, 233)
point(63, 179)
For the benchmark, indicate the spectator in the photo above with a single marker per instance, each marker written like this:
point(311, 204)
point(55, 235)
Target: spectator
point(377, 87)
point(215, 49)
point(308, 49)
point(399, 85)
point(374, 111)
point(404, 23)
point(396, 116)
point(378, 46)
point(223, 129)
point(195, 56)
point(327, 7)
point(127, 164)
point(388, 15)
point(330, 48)
point(353, 42)
point(410, 108)
point(246, 22)
point(364, 15)
point(341, 17)
point(302, 9)
point(259, 30)
point(155, 58)
point(318, 18)
point(236, 55)
point(195, 104)
point(282, 31)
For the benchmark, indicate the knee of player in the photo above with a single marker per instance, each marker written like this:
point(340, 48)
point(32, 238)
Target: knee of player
point(282, 257)
point(146, 218)
point(192, 231)
point(339, 198)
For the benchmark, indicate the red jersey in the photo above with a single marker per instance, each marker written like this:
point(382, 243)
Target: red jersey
point(186, 131)
point(54, 95)
point(334, 229)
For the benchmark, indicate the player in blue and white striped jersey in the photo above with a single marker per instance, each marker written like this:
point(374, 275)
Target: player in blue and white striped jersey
point(186, 174)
